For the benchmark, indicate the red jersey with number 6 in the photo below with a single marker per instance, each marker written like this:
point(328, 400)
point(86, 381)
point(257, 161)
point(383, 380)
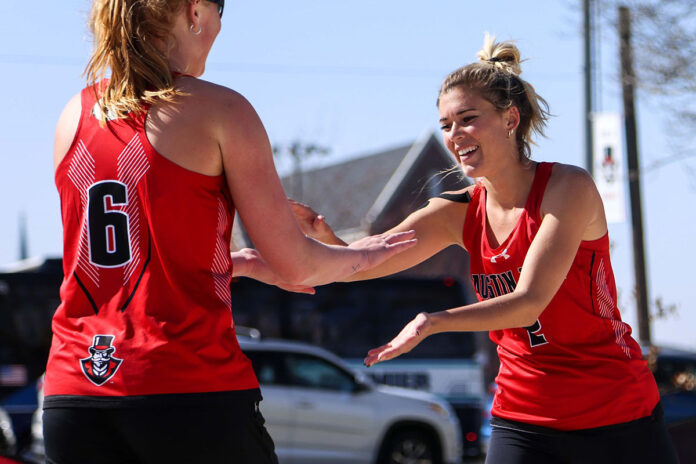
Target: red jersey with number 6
point(577, 367)
point(145, 302)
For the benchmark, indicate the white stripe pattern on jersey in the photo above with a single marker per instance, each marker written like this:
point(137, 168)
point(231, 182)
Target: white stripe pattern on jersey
point(132, 166)
point(221, 259)
point(608, 309)
point(81, 172)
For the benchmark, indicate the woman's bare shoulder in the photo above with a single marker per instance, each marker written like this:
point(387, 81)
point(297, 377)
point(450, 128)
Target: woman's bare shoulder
point(226, 113)
point(571, 185)
point(570, 179)
point(455, 198)
point(449, 204)
point(66, 128)
point(229, 108)
point(208, 93)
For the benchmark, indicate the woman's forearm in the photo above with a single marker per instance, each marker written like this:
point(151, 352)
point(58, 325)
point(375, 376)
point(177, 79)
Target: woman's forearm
point(517, 309)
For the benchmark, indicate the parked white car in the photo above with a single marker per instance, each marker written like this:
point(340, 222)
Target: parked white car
point(319, 411)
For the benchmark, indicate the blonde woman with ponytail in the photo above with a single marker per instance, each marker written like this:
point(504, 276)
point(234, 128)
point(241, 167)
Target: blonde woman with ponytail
point(151, 163)
point(572, 384)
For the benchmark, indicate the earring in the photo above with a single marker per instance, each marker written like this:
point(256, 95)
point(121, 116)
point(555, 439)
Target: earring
point(195, 32)
point(510, 132)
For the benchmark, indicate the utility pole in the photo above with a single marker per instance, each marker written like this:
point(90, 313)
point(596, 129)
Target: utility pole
point(23, 239)
point(628, 81)
point(299, 151)
point(589, 143)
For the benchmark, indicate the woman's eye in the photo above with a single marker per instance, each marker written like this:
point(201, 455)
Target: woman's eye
point(468, 119)
point(444, 127)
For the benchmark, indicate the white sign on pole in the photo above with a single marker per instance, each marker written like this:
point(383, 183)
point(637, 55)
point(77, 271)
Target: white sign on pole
point(607, 164)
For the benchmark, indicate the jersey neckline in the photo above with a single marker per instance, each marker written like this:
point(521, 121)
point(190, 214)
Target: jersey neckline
point(525, 212)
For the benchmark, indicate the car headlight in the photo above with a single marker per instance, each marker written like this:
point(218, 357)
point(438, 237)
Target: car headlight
point(442, 411)
point(8, 439)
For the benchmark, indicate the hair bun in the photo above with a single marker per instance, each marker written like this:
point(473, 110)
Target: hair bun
point(502, 55)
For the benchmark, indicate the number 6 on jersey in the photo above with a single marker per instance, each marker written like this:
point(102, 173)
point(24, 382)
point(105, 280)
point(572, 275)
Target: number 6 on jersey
point(109, 242)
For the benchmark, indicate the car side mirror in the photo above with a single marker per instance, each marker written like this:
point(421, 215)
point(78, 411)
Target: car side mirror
point(362, 383)
point(361, 387)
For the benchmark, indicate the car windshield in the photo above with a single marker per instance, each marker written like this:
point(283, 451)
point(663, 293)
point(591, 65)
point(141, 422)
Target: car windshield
point(299, 370)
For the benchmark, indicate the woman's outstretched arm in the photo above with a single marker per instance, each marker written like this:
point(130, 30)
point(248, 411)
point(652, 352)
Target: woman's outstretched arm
point(259, 197)
point(573, 212)
point(248, 262)
point(438, 224)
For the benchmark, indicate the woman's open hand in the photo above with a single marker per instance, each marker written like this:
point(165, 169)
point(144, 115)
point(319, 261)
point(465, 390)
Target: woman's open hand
point(313, 224)
point(379, 248)
point(410, 336)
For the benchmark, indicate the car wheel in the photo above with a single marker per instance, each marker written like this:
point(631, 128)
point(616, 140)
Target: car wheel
point(409, 447)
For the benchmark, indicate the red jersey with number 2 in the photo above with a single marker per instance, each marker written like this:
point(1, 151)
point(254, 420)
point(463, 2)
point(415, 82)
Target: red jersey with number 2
point(145, 302)
point(577, 367)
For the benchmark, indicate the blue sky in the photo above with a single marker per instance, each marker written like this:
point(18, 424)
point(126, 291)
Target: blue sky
point(357, 76)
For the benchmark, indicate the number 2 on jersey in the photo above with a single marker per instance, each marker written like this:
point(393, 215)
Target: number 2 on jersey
point(536, 338)
point(109, 241)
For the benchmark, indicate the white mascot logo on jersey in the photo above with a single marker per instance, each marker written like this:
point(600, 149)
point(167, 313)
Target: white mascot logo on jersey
point(100, 366)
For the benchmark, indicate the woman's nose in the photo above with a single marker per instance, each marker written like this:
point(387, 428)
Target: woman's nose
point(456, 132)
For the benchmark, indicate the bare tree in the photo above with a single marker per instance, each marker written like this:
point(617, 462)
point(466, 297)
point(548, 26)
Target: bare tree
point(664, 44)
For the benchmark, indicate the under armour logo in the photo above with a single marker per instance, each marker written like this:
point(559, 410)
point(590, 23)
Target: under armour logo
point(503, 255)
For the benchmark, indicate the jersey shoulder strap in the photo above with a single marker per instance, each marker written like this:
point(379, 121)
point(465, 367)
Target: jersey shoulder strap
point(536, 194)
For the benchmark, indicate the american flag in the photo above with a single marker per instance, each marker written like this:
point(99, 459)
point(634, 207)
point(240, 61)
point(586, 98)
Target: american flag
point(13, 375)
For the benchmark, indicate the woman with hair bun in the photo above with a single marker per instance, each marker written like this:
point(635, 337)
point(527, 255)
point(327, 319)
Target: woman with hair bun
point(572, 384)
point(150, 165)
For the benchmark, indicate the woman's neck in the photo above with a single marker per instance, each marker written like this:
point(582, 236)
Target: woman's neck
point(509, 187)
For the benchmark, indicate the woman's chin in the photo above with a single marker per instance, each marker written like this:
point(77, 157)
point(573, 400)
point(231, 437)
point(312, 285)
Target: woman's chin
point(470, 170)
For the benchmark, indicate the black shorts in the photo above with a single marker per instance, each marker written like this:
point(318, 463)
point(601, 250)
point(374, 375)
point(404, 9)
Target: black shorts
point(642, 441)
point(229, 433)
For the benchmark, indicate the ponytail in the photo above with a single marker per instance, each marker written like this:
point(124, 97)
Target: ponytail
point(130, 37)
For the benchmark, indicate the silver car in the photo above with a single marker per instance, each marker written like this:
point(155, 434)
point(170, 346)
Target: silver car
point(320, 411)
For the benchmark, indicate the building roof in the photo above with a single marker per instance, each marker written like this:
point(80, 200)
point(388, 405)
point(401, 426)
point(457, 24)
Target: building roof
point(345, 192)
point(353, 194)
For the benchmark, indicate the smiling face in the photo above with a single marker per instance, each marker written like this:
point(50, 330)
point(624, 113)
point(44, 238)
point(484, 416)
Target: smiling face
point(476, 132)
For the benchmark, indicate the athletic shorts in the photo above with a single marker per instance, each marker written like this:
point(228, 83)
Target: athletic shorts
point(642, 441)
point(232, 433)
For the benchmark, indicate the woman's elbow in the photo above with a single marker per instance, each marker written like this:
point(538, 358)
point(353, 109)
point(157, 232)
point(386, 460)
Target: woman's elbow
point(533, 304)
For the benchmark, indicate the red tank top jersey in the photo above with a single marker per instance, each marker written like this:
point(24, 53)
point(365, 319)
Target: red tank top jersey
point(145, 301)
point(577, 367)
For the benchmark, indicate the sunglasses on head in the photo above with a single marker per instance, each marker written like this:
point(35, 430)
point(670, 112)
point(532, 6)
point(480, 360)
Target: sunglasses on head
point(220, 4)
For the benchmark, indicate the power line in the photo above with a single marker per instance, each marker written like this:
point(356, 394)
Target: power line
point(275, 68)
point(42, 60)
